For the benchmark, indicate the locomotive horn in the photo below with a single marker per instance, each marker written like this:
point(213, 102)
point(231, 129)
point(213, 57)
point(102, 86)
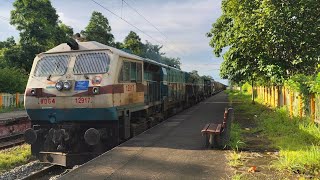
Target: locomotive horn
point(73, 44)
point(30, 136)
point(92, 136)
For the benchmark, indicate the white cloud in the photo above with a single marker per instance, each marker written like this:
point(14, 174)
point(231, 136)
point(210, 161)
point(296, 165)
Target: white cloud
point(76, 24)
point(184, 23)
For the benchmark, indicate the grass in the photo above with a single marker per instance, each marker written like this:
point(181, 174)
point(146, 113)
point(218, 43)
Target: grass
point(298, 140)
point(236, 141)
point(10, 109)
point(235, 159)
point(12, 157)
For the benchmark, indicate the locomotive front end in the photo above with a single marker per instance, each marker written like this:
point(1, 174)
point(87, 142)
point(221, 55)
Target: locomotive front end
point(69, 101)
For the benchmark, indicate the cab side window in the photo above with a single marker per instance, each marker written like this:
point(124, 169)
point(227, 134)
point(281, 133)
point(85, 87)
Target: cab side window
point(131, 72)
point(139, 72)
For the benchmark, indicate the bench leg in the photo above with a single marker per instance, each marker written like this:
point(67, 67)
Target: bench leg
point(206, 140)
point(217, 141)
point(211, 140)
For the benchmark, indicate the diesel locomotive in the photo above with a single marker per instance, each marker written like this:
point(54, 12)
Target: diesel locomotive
point(85, 98)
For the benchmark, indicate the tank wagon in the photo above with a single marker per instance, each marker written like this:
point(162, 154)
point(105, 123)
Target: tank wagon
point(85, 98)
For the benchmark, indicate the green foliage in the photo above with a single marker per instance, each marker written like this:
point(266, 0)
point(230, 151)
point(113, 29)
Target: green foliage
point(302, 84)
point(133, 43)
point(299, 83)
point(207, 77)
point(99, 29)
point(298, 140)
point(152, 51)
point(8, 43)
point(173, 62)
point(16, 57)
point(12, 80)
point(14, 156)
point(194, 76)
point(39, 29)
point(235, 159)
point(315, 85)
point(271, 40)
point(66, 30)
point(246, 87)
point(236, 140)
point(118, 45)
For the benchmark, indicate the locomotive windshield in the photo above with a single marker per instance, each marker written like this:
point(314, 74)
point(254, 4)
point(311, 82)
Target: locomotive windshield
point(91, 63)
point(55, 65)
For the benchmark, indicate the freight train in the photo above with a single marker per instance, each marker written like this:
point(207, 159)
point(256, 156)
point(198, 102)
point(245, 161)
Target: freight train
point(84, 98)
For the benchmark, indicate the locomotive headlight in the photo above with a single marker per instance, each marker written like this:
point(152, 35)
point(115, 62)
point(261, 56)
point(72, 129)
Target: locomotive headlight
point(33, 92)
point(67, 85)
point(59, 85)
point(95, 90)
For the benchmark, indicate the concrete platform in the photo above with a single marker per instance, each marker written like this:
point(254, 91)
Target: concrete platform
point(173, 149)
point(12, 115)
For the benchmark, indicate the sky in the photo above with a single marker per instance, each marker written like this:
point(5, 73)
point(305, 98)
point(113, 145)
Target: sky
point(179, 25)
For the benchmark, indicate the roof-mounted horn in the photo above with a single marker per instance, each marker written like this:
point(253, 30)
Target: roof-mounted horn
point(73, 44)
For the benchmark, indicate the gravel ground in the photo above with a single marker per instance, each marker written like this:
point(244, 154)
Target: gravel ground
point(56, 177)
point(23, 171)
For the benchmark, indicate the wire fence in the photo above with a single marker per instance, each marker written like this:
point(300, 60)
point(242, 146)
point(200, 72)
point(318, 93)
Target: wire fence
point(11, 100)
point(296, 104)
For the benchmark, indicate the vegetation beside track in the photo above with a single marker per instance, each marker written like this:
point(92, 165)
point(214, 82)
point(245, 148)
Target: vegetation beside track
point(297, 140)
point(11, 109)
point(12, 157)
point(236, 141)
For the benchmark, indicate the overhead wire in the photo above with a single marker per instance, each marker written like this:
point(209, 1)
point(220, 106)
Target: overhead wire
point(155, 27)
point(131, 25)
point(4, 18)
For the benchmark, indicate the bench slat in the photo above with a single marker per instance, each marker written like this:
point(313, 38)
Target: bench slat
point(212, 128)
point(205, 127)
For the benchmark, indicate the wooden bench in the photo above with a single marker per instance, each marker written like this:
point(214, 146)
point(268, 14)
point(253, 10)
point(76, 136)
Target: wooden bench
point(212, 131)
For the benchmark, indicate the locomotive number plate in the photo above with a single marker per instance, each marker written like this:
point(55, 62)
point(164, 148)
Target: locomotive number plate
point(47, 101)
point(129, 88)
point(82, 100)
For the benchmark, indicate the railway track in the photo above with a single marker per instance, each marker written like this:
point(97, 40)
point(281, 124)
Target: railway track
point(11, 141)
point(46, 173)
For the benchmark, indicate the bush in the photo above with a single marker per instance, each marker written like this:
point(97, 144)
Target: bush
point(12, 80)
point(246, 87)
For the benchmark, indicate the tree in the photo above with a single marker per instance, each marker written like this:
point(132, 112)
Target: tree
point(194, 76)
point(133, 43)
point(10, 53)
point(269, 40)
point(39, 29)
point(12, 80)
point(118, 45)
point(173, 62)
point(152, 51)
point(99, 29)
point(8, 43)
point(15, 57)
point(207, 77)
point(67, 31)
